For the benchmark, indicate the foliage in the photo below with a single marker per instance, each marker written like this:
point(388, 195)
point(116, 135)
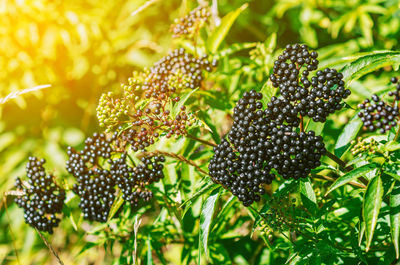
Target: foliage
point(345, 212)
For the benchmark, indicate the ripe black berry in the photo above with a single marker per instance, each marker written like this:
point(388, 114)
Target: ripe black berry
point(191, 23)
point(134, 181)
point(95, 185)
point(42, 198)
point(316, 97)
point(378, 115)
point(261, 140)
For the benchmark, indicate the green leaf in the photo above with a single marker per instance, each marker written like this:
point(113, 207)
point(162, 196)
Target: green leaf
point(371, 207)
point(395, 217)
point(177, 107)
point(207, 213)
point(149, 255)
point(285, 187)
point(118, 201)
point(205, 187)
point(307, 195)
point(356, 248)
point(259, 218)
point(361, 232)
point(352, 175)
point(392, 146)
point(392, 169)
point(268, 91)
point(219, 34)
point(369, 63)
point(348, 134)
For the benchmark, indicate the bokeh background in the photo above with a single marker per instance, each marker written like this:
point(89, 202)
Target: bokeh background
point(83, 48)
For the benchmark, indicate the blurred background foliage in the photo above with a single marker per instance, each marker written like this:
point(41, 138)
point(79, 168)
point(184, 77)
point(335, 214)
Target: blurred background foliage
point(84, 48)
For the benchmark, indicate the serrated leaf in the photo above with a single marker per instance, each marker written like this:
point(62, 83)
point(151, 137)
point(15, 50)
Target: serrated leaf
point(352, 175)
point(118, 201)
point(206, 187)
point(356, 248)
point(348, 134)
point(219, 34)
point(285, 187)
point(361, 232)
point(236, 47)
point(206, 216)
point(369, 63)
point(392, 170)
point(395, 216)
point(392, 146)
point(259, 218)
point(268, 91)
point(149, 254)
point(371, 207)
point(307, 195)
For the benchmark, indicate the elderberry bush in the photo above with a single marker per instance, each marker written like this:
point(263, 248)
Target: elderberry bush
point(376, 114)
point(42, 198)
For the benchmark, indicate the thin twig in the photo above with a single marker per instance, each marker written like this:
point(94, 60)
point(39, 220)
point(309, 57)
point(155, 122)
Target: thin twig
point(48, 245)
point(143, 7)
point(333, 180)
point(201, 140)
point(396, 137)
point(21, 92)
point(301, 124)
point(179, 157)
point(340, 162)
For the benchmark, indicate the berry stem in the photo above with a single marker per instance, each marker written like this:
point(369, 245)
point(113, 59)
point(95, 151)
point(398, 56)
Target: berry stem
point(396, 137)
point(292, 228)
point(338, 161)
point(201, 140)
point(301, 124)
point(4, 201)
point(176, 156)
point(48, 245)
point(334, 179)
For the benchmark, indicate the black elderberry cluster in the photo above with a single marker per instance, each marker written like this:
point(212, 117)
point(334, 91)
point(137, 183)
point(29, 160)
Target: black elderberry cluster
point(101, 167)
point(134, 181)
point(191, 23)
point(42, 198)
point(376, 114)
point(259, 141)
point(316, 97)
point(95, 185)
point(177, 64)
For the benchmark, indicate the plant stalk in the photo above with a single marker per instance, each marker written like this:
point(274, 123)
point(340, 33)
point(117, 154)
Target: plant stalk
point(201, 140)
point(338, 161)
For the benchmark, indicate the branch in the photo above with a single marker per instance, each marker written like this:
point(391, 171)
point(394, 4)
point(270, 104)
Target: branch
point(201, 140)
point(333, 179)
point(176, 156)
point(48, 245)
point(338, 161)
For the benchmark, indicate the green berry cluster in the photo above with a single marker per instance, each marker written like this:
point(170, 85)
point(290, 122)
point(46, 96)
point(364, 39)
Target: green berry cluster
point(111, 110)
point(190, 24)
point(149, 107)
point(283, 215)
point(361, 146)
